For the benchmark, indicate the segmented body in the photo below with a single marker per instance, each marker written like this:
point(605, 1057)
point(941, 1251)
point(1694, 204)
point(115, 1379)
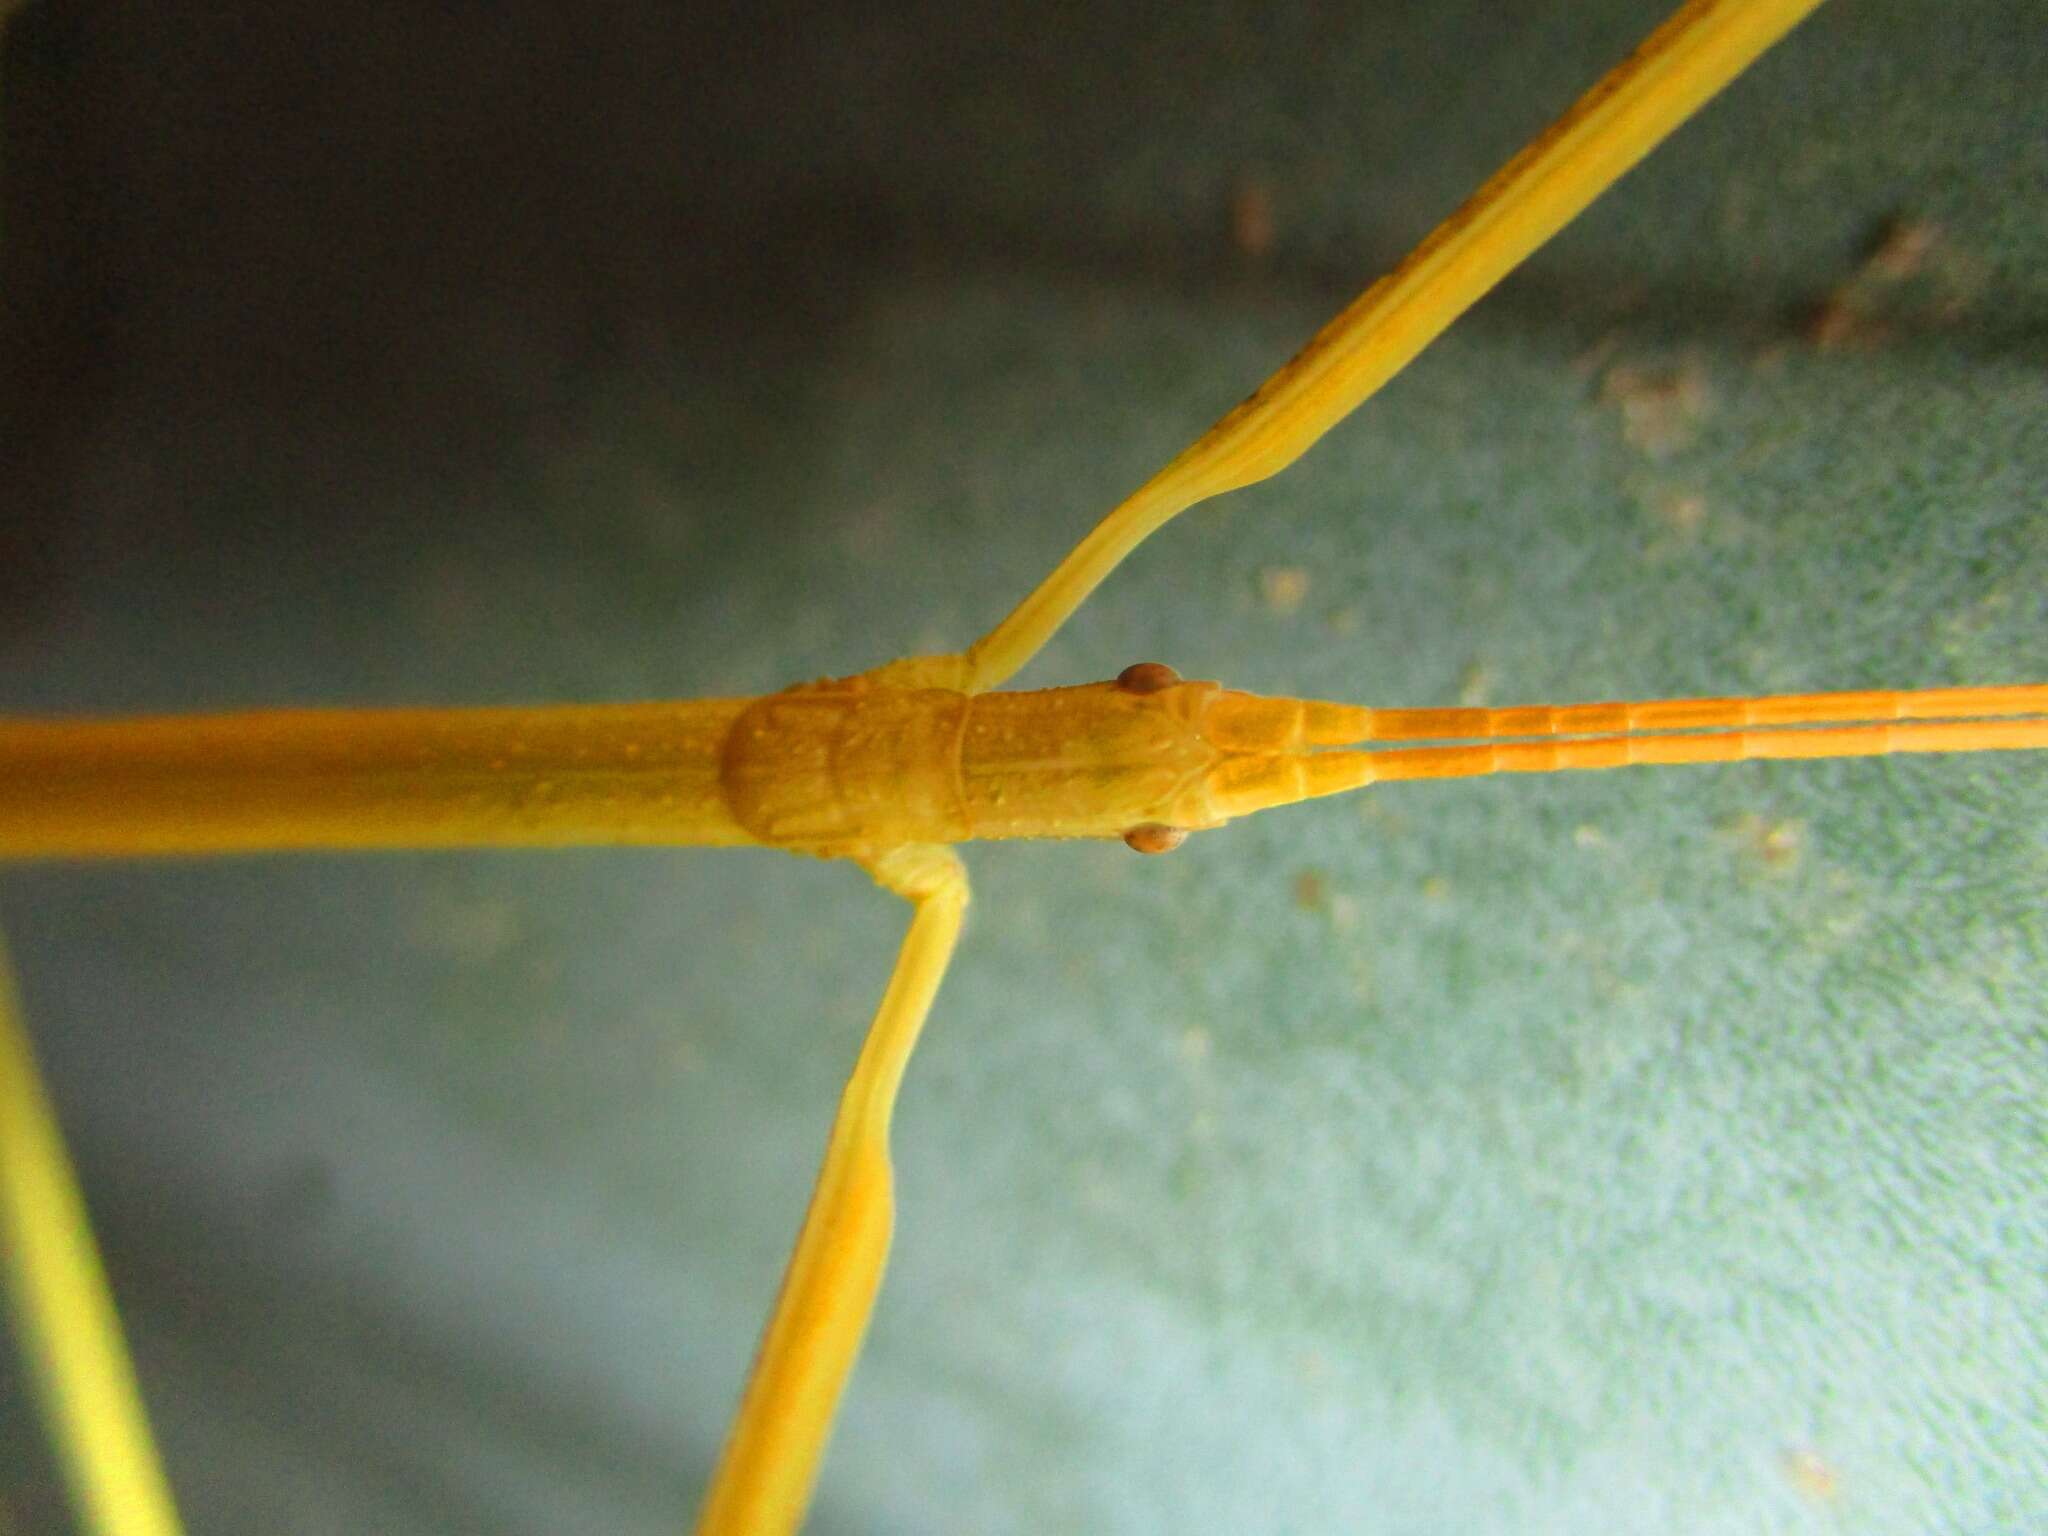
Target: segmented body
point(854, 767)
point(839, 769)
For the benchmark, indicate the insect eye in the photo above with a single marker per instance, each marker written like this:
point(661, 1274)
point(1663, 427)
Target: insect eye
point(1146, 677)
point(1154, 837)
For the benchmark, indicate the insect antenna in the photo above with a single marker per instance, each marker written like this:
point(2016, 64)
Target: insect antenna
point(1547, 738)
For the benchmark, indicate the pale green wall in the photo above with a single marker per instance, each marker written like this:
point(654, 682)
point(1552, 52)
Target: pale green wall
point(1574, 1161)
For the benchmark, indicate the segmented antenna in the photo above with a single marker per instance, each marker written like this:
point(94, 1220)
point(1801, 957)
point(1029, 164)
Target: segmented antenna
point(1547, 738)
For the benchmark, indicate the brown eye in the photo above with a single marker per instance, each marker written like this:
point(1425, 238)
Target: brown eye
point(1146, 677)
point(1154, 837)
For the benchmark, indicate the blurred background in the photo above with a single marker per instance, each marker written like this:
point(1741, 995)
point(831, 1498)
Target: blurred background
point(1655, 1151)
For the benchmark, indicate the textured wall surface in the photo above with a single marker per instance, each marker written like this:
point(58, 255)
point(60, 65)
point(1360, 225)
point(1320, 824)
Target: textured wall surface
point(1650, 1151)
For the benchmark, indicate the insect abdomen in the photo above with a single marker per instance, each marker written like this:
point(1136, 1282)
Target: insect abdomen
point(617, 773)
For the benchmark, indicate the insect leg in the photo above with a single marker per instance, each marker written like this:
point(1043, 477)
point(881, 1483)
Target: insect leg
point(764, 1478)
point(1680, 67)
point(65, 1311)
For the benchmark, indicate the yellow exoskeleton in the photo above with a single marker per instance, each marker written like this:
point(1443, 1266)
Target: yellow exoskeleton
point(892, 768)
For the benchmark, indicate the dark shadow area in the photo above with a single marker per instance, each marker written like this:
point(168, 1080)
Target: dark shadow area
point(300, 281)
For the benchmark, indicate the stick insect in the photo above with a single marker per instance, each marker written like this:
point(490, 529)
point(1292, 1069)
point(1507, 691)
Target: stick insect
point(2003, 703)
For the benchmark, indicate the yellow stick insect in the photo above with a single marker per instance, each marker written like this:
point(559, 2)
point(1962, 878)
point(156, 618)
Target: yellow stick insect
point(890, 769)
